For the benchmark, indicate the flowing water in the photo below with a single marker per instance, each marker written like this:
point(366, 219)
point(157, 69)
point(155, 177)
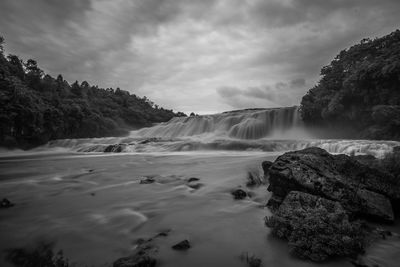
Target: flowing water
point(94, 207)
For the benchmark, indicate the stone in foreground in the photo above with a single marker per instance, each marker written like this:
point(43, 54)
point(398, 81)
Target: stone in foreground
point(316, 228)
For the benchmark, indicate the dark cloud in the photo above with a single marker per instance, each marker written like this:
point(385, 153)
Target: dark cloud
point(177, 52)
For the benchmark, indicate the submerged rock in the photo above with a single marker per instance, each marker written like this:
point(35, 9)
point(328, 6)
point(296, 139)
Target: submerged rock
point(239, 193)
point(5, 203)
point(153, 139)
point(183, 245)
point(135, 261)
point(144, 254)
point(147, 180)
point(316, 228)
point(193, 179)
point(195, 186)
point(117, 148)
point(360, 189)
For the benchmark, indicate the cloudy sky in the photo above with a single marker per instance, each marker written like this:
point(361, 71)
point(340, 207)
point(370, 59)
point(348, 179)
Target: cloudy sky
point(194, 55)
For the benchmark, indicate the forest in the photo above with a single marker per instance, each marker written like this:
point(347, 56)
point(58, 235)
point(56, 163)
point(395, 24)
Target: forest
point(359, 89)
point(36, 107)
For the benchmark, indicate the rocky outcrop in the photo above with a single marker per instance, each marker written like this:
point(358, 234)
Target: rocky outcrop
point(318, 198)
point(316, 228)
point(360, 189)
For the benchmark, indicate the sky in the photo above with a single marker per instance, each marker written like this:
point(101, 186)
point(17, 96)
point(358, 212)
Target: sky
point(202, 56)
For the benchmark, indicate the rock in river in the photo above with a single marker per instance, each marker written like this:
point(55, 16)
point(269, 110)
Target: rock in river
point(117, 148)
point(239, 193)
point(183, 245)
point(5, 203)
point(360, 189)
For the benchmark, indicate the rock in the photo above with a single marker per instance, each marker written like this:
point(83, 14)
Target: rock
point(358, 263)
point(274, 202)
point(147, 180)
point(143, 255)
point(252, 261)
point(360, 189)
point(193, 179)
point(195, 186)
point(375, 205)
point(163, 233)
point(382, 233)
point(153, 139)
point(254, 179)
point(135, 261)
point(5, 203)
point(365, 159)
point(239, 194)
point(316, 228)
point(117, 148)
point(183, 245)
point(266, 165)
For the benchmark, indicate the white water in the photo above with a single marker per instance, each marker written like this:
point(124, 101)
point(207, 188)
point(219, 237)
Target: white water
point(268, 130)
point(242, 124)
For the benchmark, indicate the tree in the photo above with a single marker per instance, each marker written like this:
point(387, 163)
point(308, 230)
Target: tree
point(16, 66)
point(358, 86)
point(36, 108)
point(1, 45)
point(33, 74)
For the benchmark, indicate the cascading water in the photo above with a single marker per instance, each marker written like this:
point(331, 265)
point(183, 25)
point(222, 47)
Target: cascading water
point(270, 130)
point(242, 124)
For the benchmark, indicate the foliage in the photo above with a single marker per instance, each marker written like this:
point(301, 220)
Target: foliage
point(36, 108)
point(42, 255)
point(316, 228)
point(391, 163)
point(360, 88)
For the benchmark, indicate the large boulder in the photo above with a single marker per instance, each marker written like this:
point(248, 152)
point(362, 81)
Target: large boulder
point(360, 189)
point(316, 228)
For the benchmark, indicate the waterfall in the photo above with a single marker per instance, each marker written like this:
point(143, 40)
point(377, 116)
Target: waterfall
point(268, 130)
point(243, 124)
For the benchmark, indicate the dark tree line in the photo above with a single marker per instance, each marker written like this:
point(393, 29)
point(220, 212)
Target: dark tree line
point(36, 108)
point(360, 88)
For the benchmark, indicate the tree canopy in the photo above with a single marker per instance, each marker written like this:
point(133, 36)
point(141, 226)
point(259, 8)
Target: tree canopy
point(360, 88)
point(36, 108)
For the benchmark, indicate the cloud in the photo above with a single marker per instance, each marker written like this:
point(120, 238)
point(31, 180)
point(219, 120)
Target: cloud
point(186, 55)
point(278, 95)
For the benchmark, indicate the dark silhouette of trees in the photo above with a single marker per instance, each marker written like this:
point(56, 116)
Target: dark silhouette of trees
point(36, 108)
point(360, 89)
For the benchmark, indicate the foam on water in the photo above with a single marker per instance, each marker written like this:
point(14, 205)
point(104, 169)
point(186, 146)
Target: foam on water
point(268, 130)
